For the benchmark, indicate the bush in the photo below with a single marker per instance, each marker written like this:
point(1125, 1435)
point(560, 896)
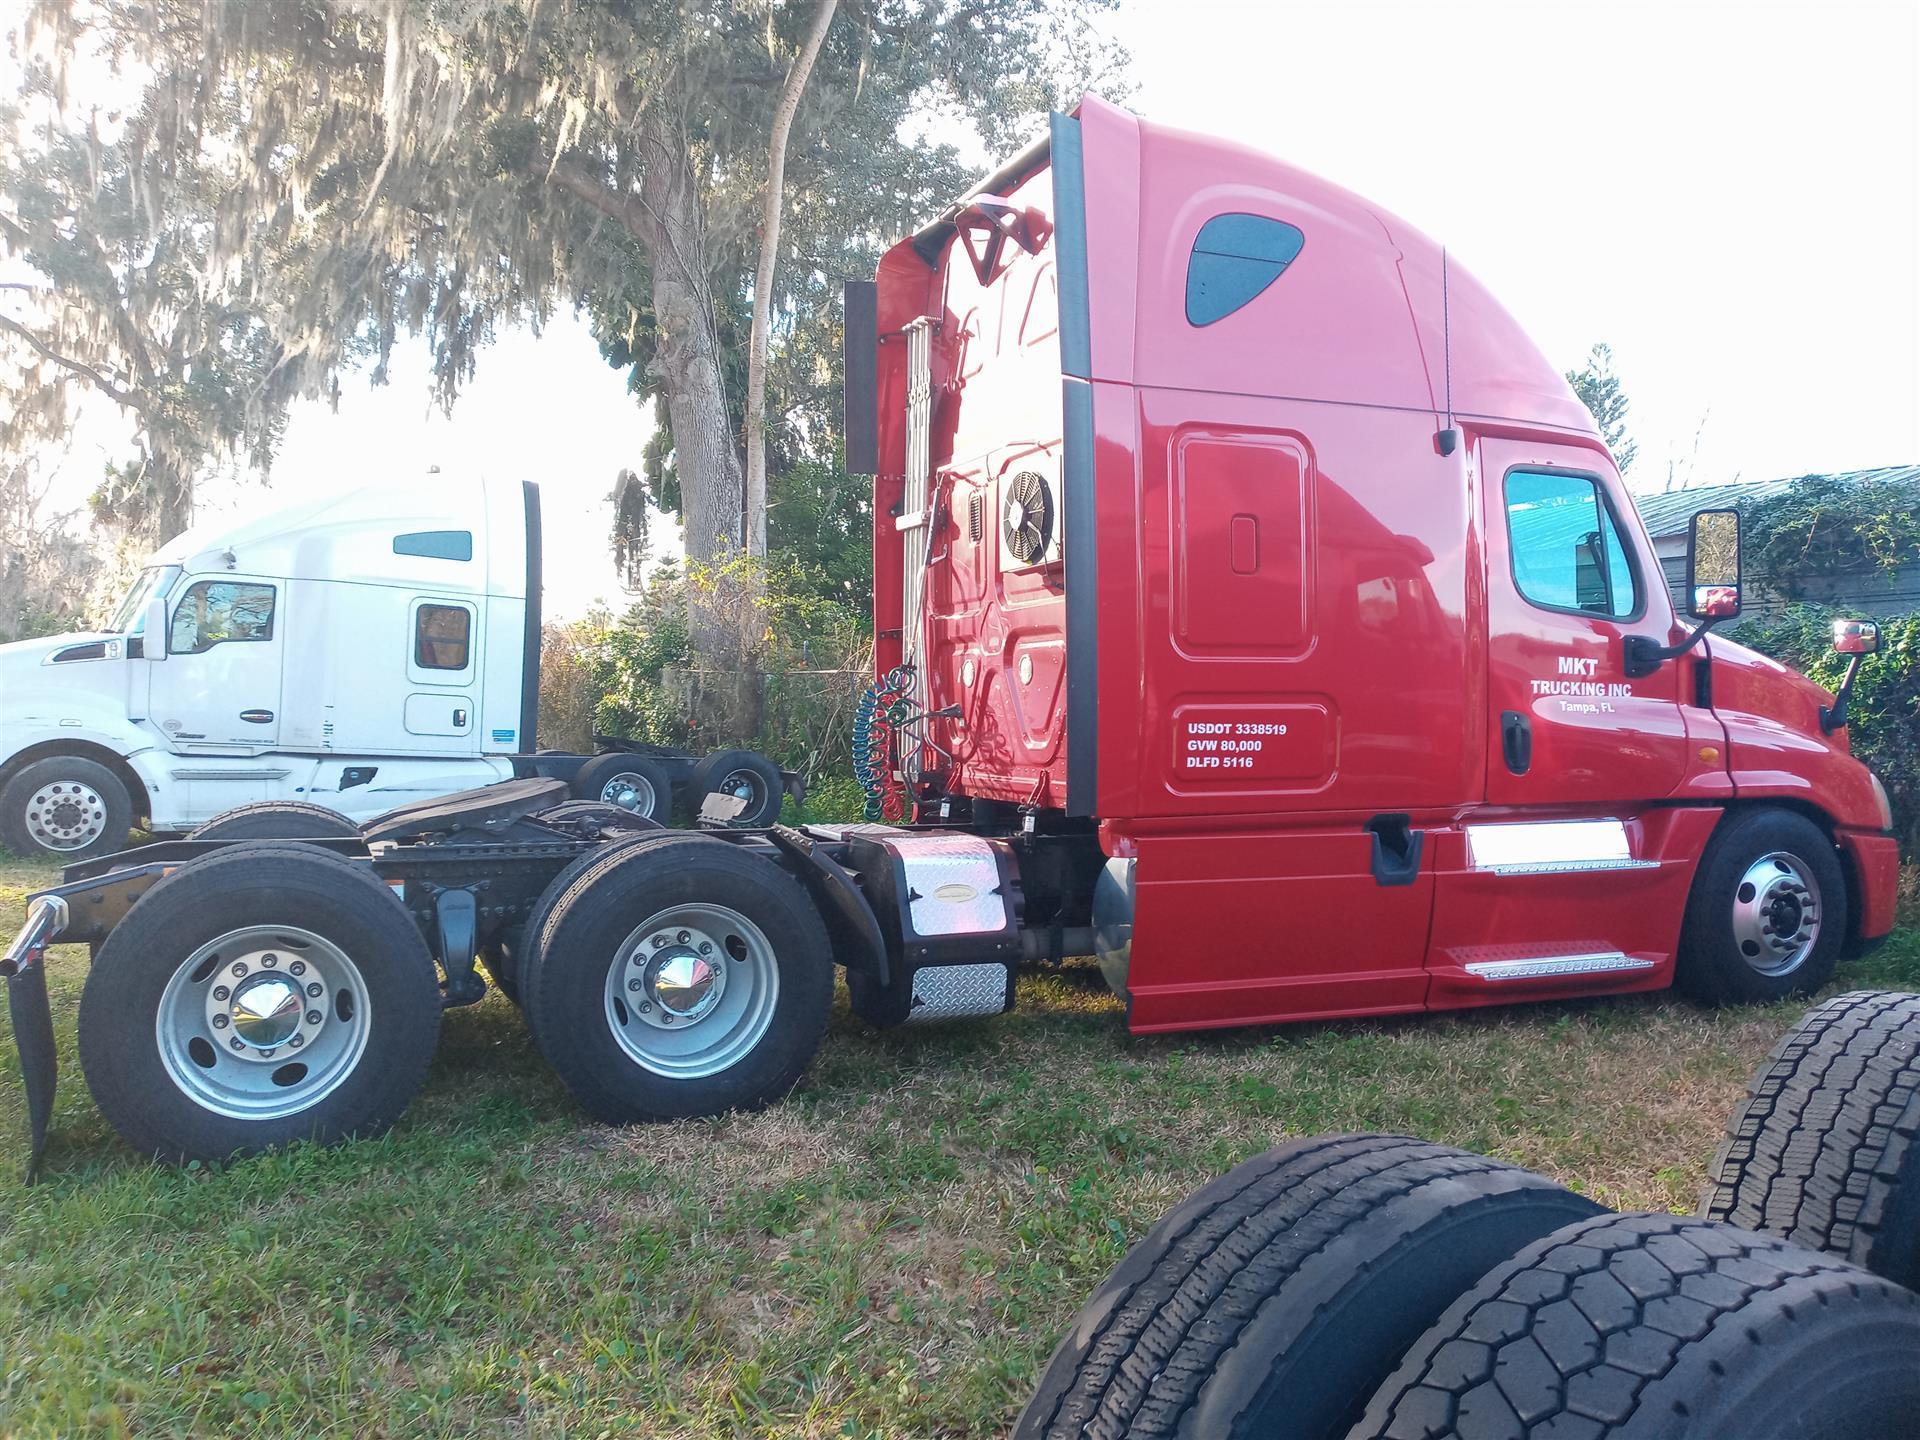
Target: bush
point(796, 661)
point(1884, 714)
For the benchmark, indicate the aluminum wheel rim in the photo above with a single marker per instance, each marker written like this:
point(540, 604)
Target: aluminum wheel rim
point(263, 1022)
point(745, 785)
point(66, 815)
point(630, 791)
point(1776, 913)
point(691, 991)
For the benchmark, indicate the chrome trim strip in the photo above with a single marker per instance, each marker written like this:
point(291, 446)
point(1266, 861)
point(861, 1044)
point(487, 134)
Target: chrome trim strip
point(228, 774)
point(1569, 867)
point(1602, 962)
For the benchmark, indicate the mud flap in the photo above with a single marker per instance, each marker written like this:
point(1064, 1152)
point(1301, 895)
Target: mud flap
point(33, 1036)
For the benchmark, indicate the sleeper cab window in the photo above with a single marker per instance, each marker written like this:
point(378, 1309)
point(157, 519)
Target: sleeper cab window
point(221, 612)
point(436, 544)
point(1235, 258)
point(1567, 547)
point(441, 634)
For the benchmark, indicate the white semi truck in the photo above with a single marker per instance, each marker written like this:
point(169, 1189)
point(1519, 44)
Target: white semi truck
point(357, 651)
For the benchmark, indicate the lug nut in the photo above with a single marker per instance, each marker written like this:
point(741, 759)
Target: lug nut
point(237, 1043)
point(634, 984)
point(706, 947)
point(296, 1042)
point(219, 1022)
point(298, 967)
point(646, 1007)
point(220, 992)
point(313, 990)
point(239, 967)
point(269, 960)
point(268, 1052)
point(682, 937)
point(313, 1017)
point(658, 941)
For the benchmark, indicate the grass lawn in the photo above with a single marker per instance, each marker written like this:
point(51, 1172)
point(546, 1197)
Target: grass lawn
point(891, 1253)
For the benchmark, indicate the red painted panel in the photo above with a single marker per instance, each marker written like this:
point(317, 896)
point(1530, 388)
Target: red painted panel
point(1263, 926)
point(1479, 915)
point(1373, 635)
point(1240, 518)
point(1875, 858)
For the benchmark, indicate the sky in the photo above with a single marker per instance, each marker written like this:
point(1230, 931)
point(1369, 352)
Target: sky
point(1726, 192)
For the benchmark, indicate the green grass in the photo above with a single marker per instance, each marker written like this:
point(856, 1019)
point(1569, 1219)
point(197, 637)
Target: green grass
point(893, 1252)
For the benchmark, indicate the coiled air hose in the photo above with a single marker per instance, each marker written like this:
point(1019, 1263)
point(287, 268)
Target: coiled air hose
point(876, 726)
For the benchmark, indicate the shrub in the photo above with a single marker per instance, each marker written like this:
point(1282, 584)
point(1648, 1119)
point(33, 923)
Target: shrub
point(1884, 714)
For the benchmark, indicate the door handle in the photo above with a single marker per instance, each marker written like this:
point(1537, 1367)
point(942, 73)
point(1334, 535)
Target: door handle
point(257, 717)
point(460, 719)
point(1516, 741)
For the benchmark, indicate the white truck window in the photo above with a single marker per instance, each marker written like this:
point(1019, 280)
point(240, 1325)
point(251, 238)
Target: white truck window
point(220, 612)
point(441, 634)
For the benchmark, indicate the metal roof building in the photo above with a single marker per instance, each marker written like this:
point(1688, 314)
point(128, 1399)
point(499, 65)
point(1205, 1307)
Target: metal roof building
point(1666, 517)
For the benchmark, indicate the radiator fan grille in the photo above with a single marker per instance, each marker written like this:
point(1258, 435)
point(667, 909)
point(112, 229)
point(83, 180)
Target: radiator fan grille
point(1026, 518)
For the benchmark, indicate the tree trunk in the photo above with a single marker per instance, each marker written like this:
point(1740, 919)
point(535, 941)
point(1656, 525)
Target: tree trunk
point(687, 361)
point(172, 500)
point(770, 206)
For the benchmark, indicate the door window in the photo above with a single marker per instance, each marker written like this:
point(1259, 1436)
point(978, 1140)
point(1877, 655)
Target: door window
point(440, 637)
point(1567, 548)
point(221, 612)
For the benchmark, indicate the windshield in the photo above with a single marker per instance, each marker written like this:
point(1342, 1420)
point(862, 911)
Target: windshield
point(131, 617)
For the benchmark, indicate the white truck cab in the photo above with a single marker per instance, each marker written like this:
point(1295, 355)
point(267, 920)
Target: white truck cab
point(360, 651)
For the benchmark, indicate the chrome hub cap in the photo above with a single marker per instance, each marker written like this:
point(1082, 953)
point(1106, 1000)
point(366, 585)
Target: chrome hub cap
point(630, 792)
point(262, 1022)
point(691, 991)
point(1776, 913)
point(66, 815)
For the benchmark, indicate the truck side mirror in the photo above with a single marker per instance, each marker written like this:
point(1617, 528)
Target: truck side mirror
point(1856, 637)
point(1713, 565)
point(153, 629)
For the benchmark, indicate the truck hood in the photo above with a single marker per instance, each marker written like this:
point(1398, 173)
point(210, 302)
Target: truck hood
point(62, 680)
point(1775, 746)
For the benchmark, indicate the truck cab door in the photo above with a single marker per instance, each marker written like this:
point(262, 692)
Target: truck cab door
point(219, 687)
point(1572, 876)
point(1568, 579)
point(443, 668)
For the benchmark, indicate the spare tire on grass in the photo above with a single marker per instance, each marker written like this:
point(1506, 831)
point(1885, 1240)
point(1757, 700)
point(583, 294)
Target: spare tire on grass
point(1274, 1300)
point(1825, 1150)
point(1662, 1327)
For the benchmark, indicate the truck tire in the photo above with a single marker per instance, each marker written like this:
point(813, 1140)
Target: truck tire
point(680, 976)
point(277, 820)
point(1825, 1151)
point(192, 1032)
point(1659, 1327)
point(67, 807)
point(1767, 914)
point(745, 773)
point(633, 782)
point(514, 959)
point(1272, 1301)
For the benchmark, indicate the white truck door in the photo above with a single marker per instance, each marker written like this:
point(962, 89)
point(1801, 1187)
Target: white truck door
point(443, 663)
point(219, 688)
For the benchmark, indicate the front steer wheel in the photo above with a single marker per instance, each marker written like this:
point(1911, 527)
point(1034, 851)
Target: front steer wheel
point(1767, 913)
point(66, 807)
point(256, 997)
point(679, 976)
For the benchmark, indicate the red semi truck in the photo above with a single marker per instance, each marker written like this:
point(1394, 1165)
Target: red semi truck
point(1258, 611)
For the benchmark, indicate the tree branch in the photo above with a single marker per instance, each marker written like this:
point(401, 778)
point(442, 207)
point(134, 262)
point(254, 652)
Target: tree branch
point(113, 391)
